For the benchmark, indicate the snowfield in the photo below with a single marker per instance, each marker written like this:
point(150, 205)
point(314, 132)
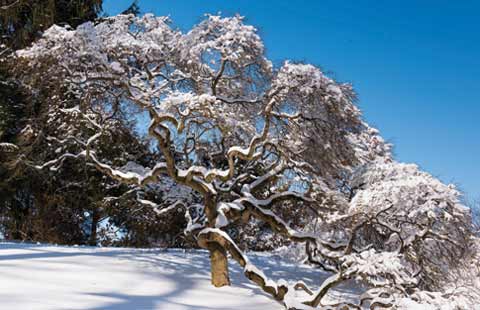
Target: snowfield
point(46, 277)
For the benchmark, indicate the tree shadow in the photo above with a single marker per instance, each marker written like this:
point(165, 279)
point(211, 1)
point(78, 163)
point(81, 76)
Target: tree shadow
point(182, 269)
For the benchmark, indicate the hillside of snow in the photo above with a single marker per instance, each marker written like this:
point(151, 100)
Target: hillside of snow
point(46, 277)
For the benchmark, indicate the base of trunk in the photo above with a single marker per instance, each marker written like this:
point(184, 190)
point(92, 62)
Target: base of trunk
point(218, 265)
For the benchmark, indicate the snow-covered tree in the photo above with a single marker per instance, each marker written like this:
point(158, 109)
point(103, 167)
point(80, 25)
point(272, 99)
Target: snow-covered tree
point(413, 213)
point(239, 137)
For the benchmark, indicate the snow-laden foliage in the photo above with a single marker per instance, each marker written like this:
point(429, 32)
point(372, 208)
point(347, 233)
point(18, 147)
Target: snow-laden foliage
point(220, 42)
point(241, 141)
point(370, 266)
point(415, 214)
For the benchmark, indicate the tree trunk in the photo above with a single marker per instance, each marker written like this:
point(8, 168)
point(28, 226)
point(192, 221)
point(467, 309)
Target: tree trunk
point(93, 229)
point(218, 255)
point(218, 265)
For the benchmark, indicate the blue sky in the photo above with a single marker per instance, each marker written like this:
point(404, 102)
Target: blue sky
point(415, 65)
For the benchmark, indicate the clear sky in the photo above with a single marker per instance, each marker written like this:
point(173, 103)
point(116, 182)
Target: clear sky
point(415, 65)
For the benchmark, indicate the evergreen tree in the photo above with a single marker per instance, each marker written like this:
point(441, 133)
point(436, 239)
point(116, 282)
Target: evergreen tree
point(21, 22)
point(134, 9)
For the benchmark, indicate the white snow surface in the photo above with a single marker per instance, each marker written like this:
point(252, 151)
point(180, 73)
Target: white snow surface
point(47, 277)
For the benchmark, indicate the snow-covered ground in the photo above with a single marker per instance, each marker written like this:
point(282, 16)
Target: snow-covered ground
point(34, 277)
